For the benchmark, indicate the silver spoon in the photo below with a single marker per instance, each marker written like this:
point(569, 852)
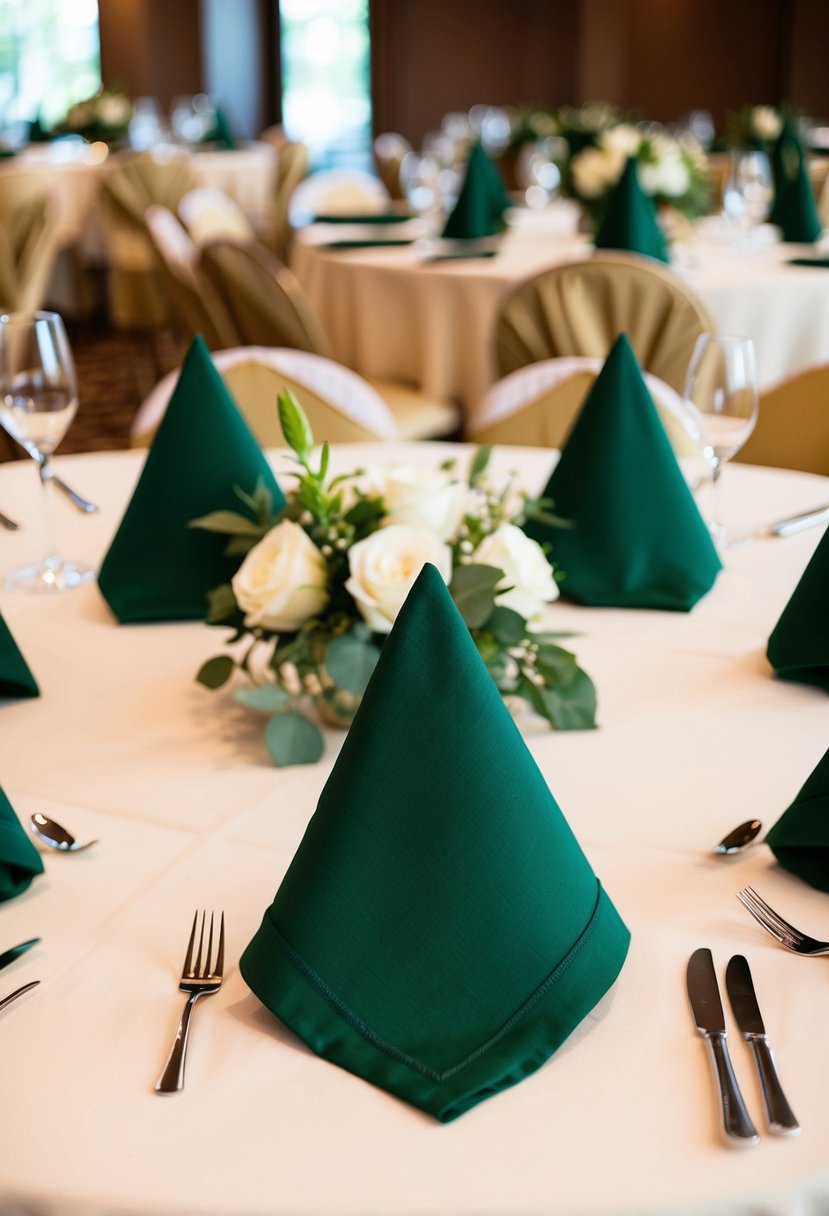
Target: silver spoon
point(83, 504)
point(57, 837)
point(739, 838)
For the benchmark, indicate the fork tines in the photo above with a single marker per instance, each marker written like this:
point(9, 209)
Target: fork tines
point(210, 966)
point(766, 916)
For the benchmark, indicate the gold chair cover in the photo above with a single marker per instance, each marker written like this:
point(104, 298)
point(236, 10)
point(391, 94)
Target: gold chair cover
point(792, 430)
point(291, 168)
point(132, 183)
point(28, 244)
point(390, 150)
point(580, 308)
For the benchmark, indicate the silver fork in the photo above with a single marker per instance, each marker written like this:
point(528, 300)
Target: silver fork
point(201, 977)
point(779, 928)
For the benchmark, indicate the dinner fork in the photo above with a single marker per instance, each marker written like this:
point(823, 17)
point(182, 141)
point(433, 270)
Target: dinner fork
point(779, 928)
point(201, 977)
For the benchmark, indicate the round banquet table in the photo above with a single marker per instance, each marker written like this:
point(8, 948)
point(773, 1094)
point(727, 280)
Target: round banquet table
point(174, 781)
point(392, 315)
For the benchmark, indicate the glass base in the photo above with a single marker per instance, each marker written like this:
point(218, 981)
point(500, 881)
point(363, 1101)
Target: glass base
point(52, 574)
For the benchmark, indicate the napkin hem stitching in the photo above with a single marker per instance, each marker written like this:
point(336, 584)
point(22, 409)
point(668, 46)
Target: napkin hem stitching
point(402, 1057)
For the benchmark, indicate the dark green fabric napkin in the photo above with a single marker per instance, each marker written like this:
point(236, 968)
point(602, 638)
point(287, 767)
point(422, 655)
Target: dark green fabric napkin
point(462, 255)
point(793, 209)
point(19, 859)
point(822, 263)
point(800, 838)
point(221, 132)
point(367, 242)
point(638, 539)
point(439, 931)
point(16, 680)
point(482, 201)
point(629, 219)
point(367, 217)
point(157, 567)
point(798, 647)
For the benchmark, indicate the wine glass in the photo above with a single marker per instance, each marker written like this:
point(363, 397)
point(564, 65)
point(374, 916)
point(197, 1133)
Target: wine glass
point(38, 400)
point(721, 390)
point(748, 191)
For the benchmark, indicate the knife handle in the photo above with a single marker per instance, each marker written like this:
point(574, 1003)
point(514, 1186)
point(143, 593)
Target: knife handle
point(780, 1114)
point(736, 1119)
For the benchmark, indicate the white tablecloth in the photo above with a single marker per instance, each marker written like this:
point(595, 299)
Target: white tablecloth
point(392, 316)
point(123, 745)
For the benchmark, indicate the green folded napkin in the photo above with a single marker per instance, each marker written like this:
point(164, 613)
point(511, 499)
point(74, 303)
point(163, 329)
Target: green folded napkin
point(638, 539)
point(378, 242)
point(16, 680)
point(462, 255)
point(800, 838)
point(482, 201)
point(822, 263)
point(369, 217)
point(221, 132)
point(439, 931)
point(793, 209)
point(629, 219)
point(798, 647)
point(19, 859)
point(157, 567)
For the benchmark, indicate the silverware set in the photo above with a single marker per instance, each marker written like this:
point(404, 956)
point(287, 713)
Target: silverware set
point(9, 956)
point(77, 500)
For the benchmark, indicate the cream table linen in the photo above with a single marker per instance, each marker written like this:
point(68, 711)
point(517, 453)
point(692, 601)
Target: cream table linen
point(392, 316)
point(694, 736)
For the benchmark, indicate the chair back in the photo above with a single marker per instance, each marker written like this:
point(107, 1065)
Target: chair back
point(263, 298)
point(344, 191)
point(538, 405)
point(792, 430)
point(133, 182)
point(208, 213)
point(580, 308)
point(390, 150)
point(28, 244)
point(197, 306)
point(291, 169)
point(340, 405)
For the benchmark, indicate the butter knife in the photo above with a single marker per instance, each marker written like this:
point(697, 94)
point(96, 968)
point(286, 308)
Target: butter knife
point(9, 956)
point(7, 1000)
point(708, 1015)
point(747, 1014)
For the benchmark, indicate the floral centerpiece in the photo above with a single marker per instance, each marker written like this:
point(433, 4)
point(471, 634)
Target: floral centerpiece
point(753, 128)
point(322, 580)
point(105, 116)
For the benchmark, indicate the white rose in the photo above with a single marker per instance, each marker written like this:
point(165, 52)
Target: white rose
point(526, 570)
point(595, 170)
point(282, 581)
point(384, 566)
point(623, 139)
point(114, 111)
point(766, 122)
point(424, 498)
point(669, 176)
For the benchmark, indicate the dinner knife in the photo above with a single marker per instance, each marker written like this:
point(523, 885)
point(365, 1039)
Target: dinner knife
point(796, 523)
point(10, 955)
point(7, 1000)
point(747, 1013)
point(708, 1015)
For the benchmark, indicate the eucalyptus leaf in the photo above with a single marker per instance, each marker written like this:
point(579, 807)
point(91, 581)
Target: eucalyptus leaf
point(557, 665)
point(269, 698)
point(473, 590)
point(350, 661)
point(221, 604)
point(295, 425)
point(479, 463)
point(239, 546)
point(507, 626)
point(292, 738)
point(573, 706)
point(229, 522)
point(216, 672)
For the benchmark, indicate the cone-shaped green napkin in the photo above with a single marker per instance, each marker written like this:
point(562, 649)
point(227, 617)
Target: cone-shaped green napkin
point(158, 568)
point(800, 838)
point(16, 680)
point(629, 219)
point(221, 132)
point(798, 648)
point(638, 539)
point(481, 204)
point(19, 859)
point(793, 210)
point(439, 931)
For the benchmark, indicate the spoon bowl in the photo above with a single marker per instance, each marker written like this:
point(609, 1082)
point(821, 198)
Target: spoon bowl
point(53, 834)
point(739, 838)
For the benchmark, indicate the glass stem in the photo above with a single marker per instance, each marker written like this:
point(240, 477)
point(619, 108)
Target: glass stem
point(716, 469)
point(50, 545)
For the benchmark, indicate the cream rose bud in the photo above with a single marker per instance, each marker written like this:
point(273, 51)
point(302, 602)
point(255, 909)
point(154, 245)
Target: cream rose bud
point(527, 572)
point(282, 581)
point(424, 498)
point(384, 566)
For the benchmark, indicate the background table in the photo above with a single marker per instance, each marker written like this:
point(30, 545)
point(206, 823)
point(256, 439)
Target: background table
point(123, 745)
point(391, 315)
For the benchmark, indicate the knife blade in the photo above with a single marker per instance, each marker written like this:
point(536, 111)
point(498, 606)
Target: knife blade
point(706, 1005)
point(743, 999)
point(10, 955)
point(7, 1000)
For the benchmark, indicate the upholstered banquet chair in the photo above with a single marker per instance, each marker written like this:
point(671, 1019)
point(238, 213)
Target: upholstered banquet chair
point(291, 168)
point(792, 430)
point(390, 150)
point(580, 308)
point(195, 303)
point(28, 244)
point(269, 308)
point(537, 406)
point(208, 213)
point(345, 191)
point(340, 405)
point(131, 184)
